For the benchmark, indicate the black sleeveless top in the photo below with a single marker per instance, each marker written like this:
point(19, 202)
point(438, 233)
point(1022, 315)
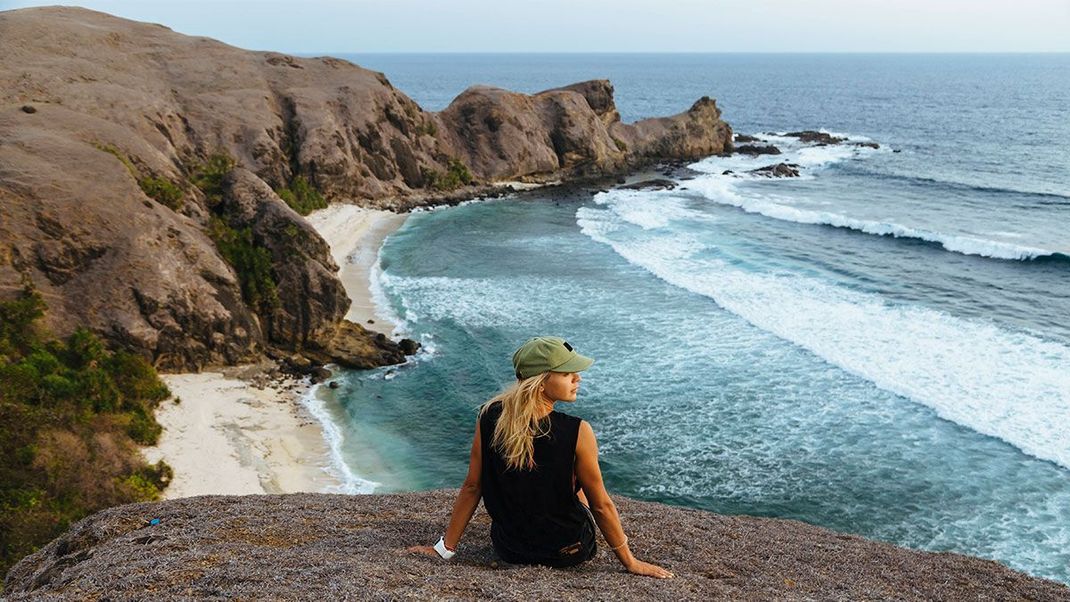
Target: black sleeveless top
point(535, 513)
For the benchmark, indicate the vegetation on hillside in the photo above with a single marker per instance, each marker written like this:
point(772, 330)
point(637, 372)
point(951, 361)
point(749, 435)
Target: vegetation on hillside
point(456, 175)
point(301, 196)
point(158, 188)
point(251, 263)
point(72, 414)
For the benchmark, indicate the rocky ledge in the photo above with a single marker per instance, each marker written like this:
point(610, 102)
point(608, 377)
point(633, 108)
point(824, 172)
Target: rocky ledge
point(148, 179)
point(330, 547)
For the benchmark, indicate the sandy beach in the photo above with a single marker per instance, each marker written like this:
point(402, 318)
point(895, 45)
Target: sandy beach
point(355, 235)
point(238, 431)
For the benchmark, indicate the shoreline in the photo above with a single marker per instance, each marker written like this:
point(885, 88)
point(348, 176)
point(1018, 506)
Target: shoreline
point(235, 433)
point(355, 235)
point(251, 429)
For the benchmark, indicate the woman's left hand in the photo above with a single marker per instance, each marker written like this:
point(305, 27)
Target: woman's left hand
point(427, 550)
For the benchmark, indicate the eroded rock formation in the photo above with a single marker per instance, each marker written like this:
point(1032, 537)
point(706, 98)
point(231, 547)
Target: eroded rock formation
point(105, 124)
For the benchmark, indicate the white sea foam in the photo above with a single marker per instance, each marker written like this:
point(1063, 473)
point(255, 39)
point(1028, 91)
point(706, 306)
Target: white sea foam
point(725, 191)
point(809, 157)
point(349, 481)
point(379, 298)
point(1006, 384)
point(652, 209)
point(487, 301)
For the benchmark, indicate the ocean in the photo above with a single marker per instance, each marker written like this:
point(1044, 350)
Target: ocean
point(880, 346)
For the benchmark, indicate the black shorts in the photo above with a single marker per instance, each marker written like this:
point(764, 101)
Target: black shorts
point(578, 552)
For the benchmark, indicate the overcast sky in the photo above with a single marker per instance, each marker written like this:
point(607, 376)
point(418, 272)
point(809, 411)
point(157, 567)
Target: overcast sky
point(339, 26)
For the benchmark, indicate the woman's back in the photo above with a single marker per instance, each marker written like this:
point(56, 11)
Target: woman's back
point(536, 514)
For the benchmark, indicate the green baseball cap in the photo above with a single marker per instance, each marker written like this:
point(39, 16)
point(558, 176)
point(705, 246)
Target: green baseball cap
point(547, 354)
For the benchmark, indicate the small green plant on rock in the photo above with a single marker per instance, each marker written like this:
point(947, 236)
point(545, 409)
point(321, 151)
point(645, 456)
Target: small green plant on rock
point(457, 175)
point(163, 191)
point(301, 196)
point(208, 177)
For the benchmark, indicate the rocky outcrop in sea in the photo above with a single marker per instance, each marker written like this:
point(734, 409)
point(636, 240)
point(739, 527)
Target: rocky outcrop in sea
point(333, 547)
point(143, 175)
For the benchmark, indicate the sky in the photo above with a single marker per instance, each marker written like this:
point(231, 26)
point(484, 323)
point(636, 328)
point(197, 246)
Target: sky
point(363, 26)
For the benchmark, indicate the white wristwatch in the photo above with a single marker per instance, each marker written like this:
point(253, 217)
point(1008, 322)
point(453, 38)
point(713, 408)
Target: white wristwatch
point(440, 547)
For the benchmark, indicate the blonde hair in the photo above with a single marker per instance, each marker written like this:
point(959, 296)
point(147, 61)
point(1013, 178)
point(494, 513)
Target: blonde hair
point(519, 424)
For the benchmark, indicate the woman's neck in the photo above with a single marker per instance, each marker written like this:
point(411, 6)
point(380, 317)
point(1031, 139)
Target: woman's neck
point(545, 407)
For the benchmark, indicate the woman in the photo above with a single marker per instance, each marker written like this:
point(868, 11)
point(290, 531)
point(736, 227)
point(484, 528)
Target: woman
point(537, 469)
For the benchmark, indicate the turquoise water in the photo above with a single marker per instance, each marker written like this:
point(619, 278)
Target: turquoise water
point(880, 347)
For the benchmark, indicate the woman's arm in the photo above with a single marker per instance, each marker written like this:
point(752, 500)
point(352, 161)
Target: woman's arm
point(602, 507)
point(467, 499)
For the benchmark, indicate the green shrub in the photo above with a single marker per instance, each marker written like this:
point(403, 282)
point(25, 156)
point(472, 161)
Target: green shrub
point(208, 177)
point(250, 262)
point(163, 191)
point(428, 128)
point(71, 412)
point(301, 196)
point(621, 146)
point(456, 175)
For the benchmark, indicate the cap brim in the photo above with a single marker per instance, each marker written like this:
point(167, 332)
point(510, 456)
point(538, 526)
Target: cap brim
point(577, 363)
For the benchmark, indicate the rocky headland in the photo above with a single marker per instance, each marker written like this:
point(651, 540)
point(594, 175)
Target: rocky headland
point(331, 547)
point(149, 180)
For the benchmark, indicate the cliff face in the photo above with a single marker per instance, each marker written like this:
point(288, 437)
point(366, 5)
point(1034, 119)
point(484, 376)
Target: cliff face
point(327, 547)
point(106, 125)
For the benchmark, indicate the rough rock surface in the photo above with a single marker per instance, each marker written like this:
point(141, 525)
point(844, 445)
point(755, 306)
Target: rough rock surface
point(91, 105)
point(757, 149)
point(779, 170)
point(815, 137)
point(330, 547)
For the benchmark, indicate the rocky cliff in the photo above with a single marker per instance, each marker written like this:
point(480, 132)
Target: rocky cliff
point(331, 547)
point(142, 174)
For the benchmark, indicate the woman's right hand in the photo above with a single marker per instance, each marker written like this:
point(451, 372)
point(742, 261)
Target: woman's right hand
point(638, 567)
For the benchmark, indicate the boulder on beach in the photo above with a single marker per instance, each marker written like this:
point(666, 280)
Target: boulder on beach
point(329, 547)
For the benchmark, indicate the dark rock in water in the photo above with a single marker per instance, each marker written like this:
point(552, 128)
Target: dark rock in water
point(727, 172)
point(409, 346)
point(746, 138)
point(655, 184)
point(331, 547)
point(320, 374)
point(867, 144)
point(896, 150)
point(754, 149)
point(334, 384)
point(814, 136)
point(780, 170)
point(621, 180)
